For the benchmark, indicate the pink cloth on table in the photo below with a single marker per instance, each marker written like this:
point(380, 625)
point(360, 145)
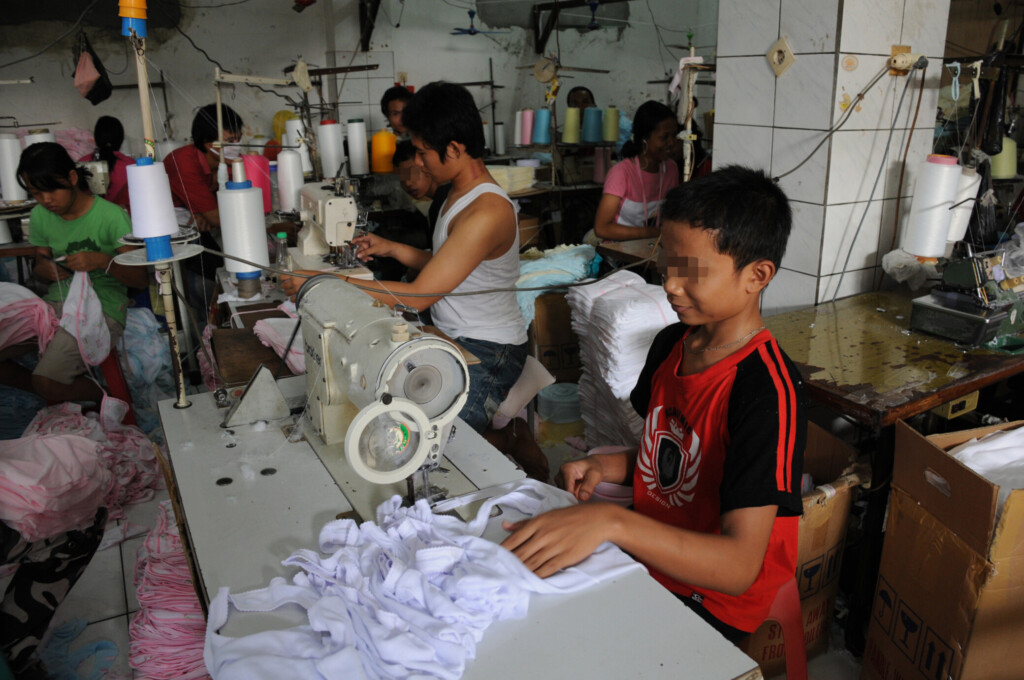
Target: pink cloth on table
point(275, 333)
point(24, 315)
point(168, 631)
point(124, 450)
point(50, 484)
point(207, 364)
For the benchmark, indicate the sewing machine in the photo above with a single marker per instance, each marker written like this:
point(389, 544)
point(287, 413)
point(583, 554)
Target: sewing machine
point(99, 176)
point(976, 301)
point(330, 215)
point(382, 397)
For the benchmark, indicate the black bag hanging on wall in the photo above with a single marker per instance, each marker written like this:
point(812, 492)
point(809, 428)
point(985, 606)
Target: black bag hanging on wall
point(91, 78)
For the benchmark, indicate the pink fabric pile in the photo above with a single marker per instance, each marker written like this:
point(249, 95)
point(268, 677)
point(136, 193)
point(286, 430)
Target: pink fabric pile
point(123, 450)
point(24, 315)
point(50, 484)
point(207, 364)
point(168, 631)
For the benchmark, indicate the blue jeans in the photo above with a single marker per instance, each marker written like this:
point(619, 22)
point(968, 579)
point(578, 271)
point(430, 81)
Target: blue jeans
point(489, 381)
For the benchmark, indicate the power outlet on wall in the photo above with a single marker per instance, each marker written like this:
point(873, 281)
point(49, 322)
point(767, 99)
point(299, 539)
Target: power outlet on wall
point(898, 49)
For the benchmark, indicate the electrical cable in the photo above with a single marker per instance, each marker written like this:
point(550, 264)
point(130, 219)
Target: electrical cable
point(903, 166)
point(488, 291)
point(881, 169)
point(226, 4)
point(842, 121)
point(62, 36)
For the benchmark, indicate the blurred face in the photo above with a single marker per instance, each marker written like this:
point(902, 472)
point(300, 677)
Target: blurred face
point(429, 160)
point(661, 140)
point(58, 201)
point(416, 181)
point(395, 108)
point(581, 100)
point(702, 284)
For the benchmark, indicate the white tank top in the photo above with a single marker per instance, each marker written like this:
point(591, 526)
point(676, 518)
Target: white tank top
point(493, 316)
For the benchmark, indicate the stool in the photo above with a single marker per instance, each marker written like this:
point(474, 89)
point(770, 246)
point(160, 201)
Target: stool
point(786, 611)
point(117, 386)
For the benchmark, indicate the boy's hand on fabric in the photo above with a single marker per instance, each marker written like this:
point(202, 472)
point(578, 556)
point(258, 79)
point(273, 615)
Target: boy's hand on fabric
point(560, 538)
point(371, 245)
point(579, 477)
point(200, 222)
point(87, 261)
point(290, 283)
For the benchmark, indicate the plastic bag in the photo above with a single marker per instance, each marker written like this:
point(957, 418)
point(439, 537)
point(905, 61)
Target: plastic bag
point(83, 318)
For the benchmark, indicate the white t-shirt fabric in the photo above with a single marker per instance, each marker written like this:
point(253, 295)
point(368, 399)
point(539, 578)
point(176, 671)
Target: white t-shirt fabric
point(407, 596)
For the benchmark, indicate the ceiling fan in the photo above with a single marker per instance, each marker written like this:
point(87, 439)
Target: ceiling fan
point(472, 30)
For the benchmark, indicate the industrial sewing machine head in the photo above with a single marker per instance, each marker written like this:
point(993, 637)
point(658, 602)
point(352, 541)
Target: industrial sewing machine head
point(99, 176)
point(977, 300)
point(382, 396)
point(330, 215)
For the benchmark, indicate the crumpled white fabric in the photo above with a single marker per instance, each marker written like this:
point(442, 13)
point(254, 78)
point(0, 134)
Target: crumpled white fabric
point(999, 458)
point(407, 596)
point(24, 315)
point(83, 318)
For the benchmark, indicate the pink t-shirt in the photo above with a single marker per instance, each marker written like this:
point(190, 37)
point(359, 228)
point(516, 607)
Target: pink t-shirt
point(642, 193)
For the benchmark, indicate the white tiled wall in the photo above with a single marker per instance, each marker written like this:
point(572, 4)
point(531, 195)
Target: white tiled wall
point(773, 123)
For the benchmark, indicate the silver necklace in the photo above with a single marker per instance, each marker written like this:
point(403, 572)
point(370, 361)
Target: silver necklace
point(726, 345)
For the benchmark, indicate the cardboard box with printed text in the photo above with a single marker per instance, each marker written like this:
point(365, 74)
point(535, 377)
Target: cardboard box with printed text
point(552, 339)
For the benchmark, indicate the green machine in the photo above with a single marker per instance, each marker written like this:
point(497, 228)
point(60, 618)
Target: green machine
point(975, 303)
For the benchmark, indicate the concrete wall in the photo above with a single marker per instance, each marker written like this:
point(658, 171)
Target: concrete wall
point(263, 36)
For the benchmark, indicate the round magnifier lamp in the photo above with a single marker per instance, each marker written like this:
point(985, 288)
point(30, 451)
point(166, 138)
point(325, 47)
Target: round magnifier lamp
point(388, 440)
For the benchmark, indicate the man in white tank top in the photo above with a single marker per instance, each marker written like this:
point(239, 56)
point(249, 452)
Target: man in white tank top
point(475, 248)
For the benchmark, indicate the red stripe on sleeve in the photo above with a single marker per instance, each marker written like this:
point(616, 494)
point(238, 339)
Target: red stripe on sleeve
point(791, 393)
point(782, 480)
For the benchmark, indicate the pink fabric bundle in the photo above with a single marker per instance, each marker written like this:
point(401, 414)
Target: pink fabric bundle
point(123, 450)
point(24, 315)
point(50, 484)
point(168, 631)
point(275, 333)
point(207, 364)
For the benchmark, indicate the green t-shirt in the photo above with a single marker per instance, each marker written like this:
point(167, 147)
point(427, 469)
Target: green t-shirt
point(98, 231)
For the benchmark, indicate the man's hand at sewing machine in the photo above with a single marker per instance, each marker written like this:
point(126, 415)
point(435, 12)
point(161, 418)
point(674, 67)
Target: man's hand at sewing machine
point(561, 538)
point(369, 246)
point(291, 283)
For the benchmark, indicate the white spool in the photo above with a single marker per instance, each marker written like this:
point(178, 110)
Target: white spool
point(289, 180)
point(10, 154)
point(970, 180)
point(242, 228)
point(934, 194)
point(149, 194)
point(332, 152)
point(293, 131)
point(39, 137)
point(517, 132)
point(499, 139)
point(358, 163)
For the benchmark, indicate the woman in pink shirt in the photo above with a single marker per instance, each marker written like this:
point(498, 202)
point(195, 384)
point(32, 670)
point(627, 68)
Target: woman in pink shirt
point(636, 186)
point(109, 135)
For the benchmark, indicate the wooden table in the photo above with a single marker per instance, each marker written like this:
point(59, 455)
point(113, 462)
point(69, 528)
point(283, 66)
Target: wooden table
point(859, 356)
point(629, 252)
point(22, 251)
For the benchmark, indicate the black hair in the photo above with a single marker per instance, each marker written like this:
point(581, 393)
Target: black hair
point(646, 118)
point(204, 125)
point(46, 166)
point(746, 212)
point(404, 151)
point(580, 88)
point(109, 135)
point(391, 94)
point(441, 113)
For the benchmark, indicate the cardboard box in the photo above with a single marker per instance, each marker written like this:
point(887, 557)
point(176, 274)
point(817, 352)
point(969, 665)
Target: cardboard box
point(949, 602)
point(552, 339)
point(830, 462)
point(529, 230)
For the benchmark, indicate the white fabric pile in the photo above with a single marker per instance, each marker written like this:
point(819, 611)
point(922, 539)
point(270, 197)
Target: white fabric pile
point(512, 178)
point(999, 458)
point(616, 320)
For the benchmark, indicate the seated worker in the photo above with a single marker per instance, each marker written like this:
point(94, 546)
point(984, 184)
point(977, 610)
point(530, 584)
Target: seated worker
point(581, 98)
point(419, 184)
point(70, 223)
point(192, 171)
point(636, 186)
point(45, 571)
point(475, 247)
point(716, 479)
point(392, 104)
point(109, 135)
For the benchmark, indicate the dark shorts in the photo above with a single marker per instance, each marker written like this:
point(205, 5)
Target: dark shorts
point(489, 381)
point(733, 635)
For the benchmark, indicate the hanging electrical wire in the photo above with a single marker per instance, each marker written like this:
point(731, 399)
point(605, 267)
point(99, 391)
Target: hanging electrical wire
point(62, 36)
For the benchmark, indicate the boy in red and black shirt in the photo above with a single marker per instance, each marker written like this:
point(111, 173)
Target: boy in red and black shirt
point(716, 479)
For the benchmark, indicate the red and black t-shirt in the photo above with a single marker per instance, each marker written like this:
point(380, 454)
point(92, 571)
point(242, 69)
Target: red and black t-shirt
point(729, 437)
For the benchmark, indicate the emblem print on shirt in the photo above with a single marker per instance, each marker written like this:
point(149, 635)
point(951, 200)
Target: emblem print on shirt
point(670, 460)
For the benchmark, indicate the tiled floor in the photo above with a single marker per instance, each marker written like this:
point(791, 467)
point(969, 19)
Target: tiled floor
point(105, 594)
